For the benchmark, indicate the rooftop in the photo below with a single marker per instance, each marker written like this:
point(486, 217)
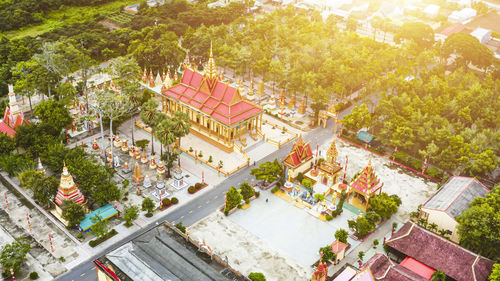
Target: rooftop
point(440, 254)
point(455, 195)
point(156, 255)
point(384, 269)
point(105, 212)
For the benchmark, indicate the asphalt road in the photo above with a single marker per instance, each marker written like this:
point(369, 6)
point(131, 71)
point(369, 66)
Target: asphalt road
point(200, 207)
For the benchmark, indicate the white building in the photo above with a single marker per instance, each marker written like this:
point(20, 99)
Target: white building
point(482, 34)
point(432, 11)
point(450, 201)
point(462, 16)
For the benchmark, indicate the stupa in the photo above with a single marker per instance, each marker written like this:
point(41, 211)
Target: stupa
point(137, 154)
point(116, 142)
point(68, 189)
point(178, 182)
point(124, 145)
point(126, 168)
point(160, 190)
point(251, 94)
point(40, 167)
point(151, 79)
point(302, 107)
point(282, 97)
point(329, 170)
point(137, 176)
point(291, 104)
point(158, 80)
point(145, 76)
point(131, 151)
point(147, 182)
point(271, 104)
point(152, 163)
point(144, 158)
point(95, 146)
point(161, 167)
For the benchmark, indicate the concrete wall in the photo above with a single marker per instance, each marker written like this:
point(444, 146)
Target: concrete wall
point(444, 221)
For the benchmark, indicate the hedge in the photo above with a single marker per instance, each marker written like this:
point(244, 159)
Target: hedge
point(95, 242)
point(195, 188)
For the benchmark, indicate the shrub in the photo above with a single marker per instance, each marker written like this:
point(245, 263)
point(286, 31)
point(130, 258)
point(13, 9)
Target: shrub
point(435, 172)
point(307, 182)
point(105, 237)
point(257, 194)
point(247, 201)
point(226, 212)
point(300, 177)
point(210, 160)
point(190, 149)
point(275, 189)
point(256, 276)
point(34, 275)
point(180, 227)
point(148, 215)
point(79, 235)
point(200, 154)
point(400, 156)
point(329, 217)
point(415, 163)
point(191, 189)
point(198, 185)
point(174, 200)
point(165, 202)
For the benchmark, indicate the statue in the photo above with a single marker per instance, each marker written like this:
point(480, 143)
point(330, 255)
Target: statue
point(161, 167)
point(152, 164)
point(124, 145)
point(126, 169)
point(117, 161)
point(95, 146)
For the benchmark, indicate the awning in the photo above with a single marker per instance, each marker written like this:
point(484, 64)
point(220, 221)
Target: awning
point(418, 267)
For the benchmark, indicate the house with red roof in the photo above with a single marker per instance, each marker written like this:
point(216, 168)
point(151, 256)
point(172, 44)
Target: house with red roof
point(422, 252)
point(217, 111)
point(13, 116)
point(363, 187)
point(450, 201)
point(299, 160)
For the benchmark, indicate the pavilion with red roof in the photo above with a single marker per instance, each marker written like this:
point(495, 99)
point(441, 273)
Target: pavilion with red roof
point(217, 111)
point(299, 160)
point(364, 187)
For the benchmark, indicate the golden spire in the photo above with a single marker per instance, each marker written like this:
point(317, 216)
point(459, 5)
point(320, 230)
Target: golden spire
point(211, 70)
point(331, 154)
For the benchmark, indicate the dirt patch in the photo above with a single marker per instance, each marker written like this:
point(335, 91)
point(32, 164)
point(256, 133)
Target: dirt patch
point(110, 25)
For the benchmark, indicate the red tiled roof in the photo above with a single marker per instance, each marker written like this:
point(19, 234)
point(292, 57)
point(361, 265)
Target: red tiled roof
point(440, 254)
point(223, 102)
point(384, 269)
point(300, 153)
point(452, 29)
point(5, 129)
point(338, 246)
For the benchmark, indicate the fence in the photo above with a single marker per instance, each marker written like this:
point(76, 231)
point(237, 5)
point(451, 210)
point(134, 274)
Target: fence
point(212, 254)
point(280, 143)
point(216, 166)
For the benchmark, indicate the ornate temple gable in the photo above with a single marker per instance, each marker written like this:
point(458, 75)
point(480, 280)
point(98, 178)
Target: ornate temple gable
point(332, 153)
point(300, 153)
point(236, 97)
point(367, 181)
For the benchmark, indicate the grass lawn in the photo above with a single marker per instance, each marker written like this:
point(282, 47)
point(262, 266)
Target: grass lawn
point(68, 15)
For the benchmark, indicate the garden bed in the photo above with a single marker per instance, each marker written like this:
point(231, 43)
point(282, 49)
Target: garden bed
point(93, 243)
point(167, 203)
point(197, 187)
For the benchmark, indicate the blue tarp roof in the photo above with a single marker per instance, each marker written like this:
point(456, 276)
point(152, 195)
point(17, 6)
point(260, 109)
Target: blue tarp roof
point(105, 212)
point(365, 136)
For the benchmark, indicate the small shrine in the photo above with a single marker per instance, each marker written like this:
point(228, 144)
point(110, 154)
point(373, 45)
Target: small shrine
point(321, 272)
point(178, 179)
point(124, 145)
point(299, 160)
point(137, 176)
point(126, 168)
point(147, 182)
point(160, 190)
point(68, 189)
point(329, 170)
point(291, 103)
point(161, 167)
point(40, 167)
point(302, 107)
point(13, 116)
point(364, 187)
point(271, 104)
point(339, 249)
point(251, 95)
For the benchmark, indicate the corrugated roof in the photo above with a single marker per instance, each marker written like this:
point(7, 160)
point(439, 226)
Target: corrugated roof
point(104, 212)
point(456, 194)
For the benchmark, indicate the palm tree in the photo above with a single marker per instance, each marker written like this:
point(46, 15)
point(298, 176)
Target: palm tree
point(165, 134)
point(438, 276)
point(180, 127)
point(433, 227)
point(151, 117)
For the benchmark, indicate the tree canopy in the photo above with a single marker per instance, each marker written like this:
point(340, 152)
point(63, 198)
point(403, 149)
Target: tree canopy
point(13, 255)
point(418, 32)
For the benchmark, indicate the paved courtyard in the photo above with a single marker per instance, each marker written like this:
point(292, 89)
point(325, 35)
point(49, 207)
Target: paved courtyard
point(290, 229)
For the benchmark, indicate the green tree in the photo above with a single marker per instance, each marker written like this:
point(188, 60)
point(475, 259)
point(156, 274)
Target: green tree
point(342, 235)
point(53, 113)
point(72, 212)
point(360, 117)
point(14, 255)
point(7, 144)
point(148, 205)
point(469, 50)
point(438, 276)
point(165, 133)
point(384, 205)
point(372, 217)
point(328, 255)
point(100, 227)
point(269, 171)
point(495, 273)
point(418, 32)
point(181, 126)
point(150, 115)
point(362, 226)
point(361, 255)
point(256, 276)
point(352, 23)
point(233, 198)
point(247, 190)
point(44, 189)
point(478, 226)
point(130, 214)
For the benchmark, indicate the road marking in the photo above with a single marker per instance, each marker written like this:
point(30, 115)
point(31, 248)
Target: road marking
point(83, 274)
point(182, 217)
point(217, 196)
point(191, 211)
point(199, 206)
point(93, 268)
point(208, 202)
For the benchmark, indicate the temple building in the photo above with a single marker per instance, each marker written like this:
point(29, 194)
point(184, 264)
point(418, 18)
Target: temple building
point(329, 170)
point(299, 160)
point(217, 111)
point(13, 116)
point(68, 189)
point(364, 187)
